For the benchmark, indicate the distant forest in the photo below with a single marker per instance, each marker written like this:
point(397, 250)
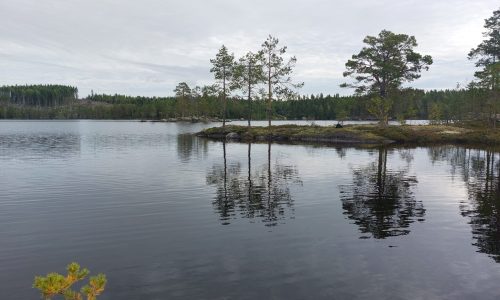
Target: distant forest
point(61, 102)
point(39, 95)
point(260, 86)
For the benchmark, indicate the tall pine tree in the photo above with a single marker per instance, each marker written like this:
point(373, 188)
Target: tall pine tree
point(223, 69)
point(277, 72)
point(249, 73)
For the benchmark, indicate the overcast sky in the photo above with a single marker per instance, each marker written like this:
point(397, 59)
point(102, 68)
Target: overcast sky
point(146, 47)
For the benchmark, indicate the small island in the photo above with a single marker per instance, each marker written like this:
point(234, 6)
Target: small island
point(358, 134)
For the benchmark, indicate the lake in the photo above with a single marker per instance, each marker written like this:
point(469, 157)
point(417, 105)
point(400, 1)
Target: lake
point(166, 215)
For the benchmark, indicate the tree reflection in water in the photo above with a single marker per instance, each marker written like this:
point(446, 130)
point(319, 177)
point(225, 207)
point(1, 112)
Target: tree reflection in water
point(263, 193)
point(479, 169)
point(380, 201)
point(189, 145)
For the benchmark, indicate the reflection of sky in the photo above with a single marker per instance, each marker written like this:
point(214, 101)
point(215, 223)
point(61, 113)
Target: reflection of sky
point(135, 210)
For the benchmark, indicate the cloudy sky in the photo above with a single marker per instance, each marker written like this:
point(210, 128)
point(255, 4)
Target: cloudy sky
point(145, 47)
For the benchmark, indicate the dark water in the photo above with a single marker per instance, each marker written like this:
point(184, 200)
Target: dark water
point(169, 216)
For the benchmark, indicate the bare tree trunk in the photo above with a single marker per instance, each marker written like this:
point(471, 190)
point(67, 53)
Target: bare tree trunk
point(224, 100)
point(249, 94)
point(269, 101)
point(494, 103)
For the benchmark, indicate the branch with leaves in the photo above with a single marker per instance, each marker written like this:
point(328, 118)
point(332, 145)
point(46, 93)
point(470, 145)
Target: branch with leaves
point(54, 284)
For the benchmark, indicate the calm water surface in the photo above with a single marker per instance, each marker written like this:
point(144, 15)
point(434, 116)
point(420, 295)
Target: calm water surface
point(166, 215)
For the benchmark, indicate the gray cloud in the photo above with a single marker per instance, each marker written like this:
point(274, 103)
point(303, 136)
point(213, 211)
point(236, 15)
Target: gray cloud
point(146, 47)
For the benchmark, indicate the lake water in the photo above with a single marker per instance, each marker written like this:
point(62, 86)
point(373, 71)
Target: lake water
point(166, 215)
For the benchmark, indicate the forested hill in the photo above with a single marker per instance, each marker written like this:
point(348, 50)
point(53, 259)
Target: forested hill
point(61, 102)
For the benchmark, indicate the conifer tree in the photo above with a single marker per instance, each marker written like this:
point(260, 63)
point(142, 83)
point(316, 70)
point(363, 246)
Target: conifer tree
point(383, 66)
point(223, 68)
point(277, 72)
point(249, 73)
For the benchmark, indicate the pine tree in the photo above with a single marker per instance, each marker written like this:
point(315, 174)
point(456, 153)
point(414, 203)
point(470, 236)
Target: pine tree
point(383, 66)
point(249, 73)
point(277, 72)
point(223, 68)
point(487, 55)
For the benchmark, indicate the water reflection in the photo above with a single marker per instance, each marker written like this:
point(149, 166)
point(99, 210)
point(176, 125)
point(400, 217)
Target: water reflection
point(380, 200)
point(42, 145)
point(479, 169)
point(189, 145)
point(262, 193)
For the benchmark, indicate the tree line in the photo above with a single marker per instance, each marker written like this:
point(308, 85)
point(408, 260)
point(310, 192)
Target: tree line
point(39, 95)
point(259, 85)
point(447, 106)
